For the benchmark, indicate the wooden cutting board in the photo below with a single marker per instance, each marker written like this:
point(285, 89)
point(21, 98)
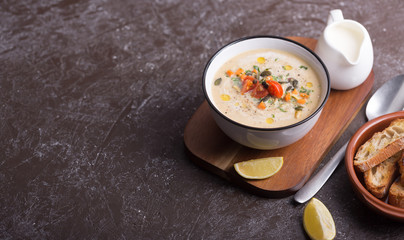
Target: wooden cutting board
point(211, 149)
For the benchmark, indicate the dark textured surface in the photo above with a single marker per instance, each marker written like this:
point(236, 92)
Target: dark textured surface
point(94, 98)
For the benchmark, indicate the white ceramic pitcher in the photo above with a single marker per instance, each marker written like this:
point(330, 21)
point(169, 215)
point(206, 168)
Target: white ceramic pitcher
point(346, 50)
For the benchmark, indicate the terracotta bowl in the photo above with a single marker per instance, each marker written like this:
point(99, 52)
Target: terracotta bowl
point(356, 177)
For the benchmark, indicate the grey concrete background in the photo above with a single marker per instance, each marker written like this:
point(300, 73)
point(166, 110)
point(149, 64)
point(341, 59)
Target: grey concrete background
point(94, 98)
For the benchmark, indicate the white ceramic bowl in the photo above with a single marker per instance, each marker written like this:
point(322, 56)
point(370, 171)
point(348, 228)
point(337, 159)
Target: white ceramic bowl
point(264, 138)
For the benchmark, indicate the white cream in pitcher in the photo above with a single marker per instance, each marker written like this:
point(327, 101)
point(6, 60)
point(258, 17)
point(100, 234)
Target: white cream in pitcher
point(350, 46)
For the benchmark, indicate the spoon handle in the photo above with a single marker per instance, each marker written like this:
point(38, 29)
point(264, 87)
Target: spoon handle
point(314, 184)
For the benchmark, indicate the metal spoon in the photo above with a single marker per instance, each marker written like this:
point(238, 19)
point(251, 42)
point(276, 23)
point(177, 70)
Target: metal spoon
point(387, 99)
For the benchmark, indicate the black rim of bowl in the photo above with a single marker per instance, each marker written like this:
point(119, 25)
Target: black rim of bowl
point(319, 108)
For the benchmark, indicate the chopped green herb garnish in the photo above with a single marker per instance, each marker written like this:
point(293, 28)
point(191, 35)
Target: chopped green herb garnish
point(303, 67)
point(236, 80)
point(280, 108)
point(299, 108)
point(305, 90)
point(256, 68)
point(278, 78)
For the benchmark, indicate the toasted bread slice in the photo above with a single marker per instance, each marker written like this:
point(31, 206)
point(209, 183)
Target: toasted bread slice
point(401, 168)
point(379, 178)
point(396, 194)
point(380, 146)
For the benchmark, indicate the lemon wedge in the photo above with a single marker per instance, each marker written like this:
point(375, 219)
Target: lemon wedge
point(317, 221)
point(259, 168)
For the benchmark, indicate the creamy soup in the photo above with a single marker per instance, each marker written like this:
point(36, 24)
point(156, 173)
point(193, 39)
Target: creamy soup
point(266, 88)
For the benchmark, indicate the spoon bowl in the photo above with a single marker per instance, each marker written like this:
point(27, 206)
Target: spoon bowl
point(387, 99)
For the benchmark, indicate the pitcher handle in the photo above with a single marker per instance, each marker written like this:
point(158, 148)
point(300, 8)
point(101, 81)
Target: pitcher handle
point(335, 16)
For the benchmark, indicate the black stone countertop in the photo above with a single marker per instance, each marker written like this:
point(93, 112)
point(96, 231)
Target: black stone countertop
point(94, 99)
